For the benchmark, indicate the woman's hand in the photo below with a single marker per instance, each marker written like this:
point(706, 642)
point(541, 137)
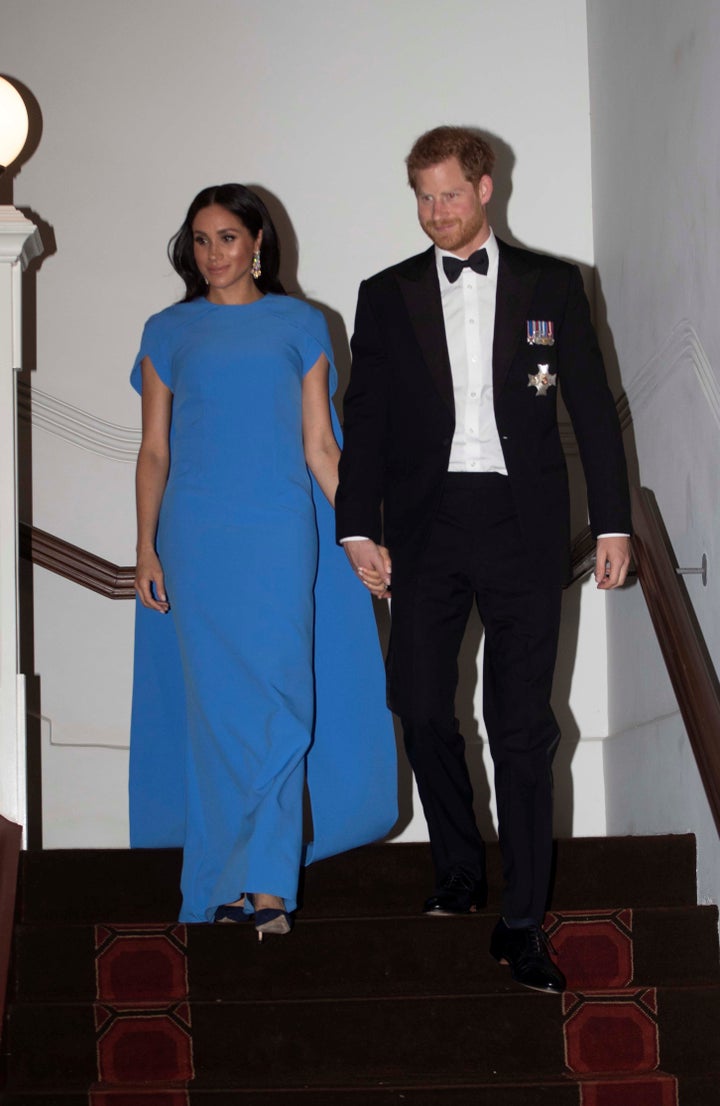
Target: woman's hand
point(372, 563)
point(150, 479)
point(150, 581)
point(374, 582)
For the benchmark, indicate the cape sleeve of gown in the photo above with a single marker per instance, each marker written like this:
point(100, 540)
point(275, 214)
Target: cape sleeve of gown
point(352, 764)
point(155, 344)
point(157, 724)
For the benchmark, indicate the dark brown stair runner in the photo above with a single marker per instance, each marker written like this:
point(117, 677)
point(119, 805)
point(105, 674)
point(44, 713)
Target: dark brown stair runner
point(367, 1002)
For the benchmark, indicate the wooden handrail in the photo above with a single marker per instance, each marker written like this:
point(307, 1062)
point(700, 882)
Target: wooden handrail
point(678, 632)
point(681, 641)
point(679, 635)
point(76, 564)
point(116, 581)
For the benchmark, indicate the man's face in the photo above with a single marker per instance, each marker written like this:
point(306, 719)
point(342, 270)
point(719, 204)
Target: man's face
point(451, 209)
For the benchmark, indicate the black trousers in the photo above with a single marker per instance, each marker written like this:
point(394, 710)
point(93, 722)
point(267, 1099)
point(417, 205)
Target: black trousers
point(477, 553)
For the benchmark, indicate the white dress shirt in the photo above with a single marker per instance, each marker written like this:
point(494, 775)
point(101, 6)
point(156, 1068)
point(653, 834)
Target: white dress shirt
point(468, 307)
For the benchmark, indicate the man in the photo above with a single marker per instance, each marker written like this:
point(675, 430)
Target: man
point(451, 438)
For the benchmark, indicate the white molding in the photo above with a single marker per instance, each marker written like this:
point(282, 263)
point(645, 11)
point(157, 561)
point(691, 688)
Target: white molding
point(682, 349)
point(19, 238)
point(637, 727)
point(79, 427)
point(116, 442)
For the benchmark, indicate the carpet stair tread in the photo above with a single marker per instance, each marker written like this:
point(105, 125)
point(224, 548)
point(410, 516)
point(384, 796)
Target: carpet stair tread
point(142, 884)
point(391, 956)
point(367, 1003)
point(292, 1044)
point(698, 1090)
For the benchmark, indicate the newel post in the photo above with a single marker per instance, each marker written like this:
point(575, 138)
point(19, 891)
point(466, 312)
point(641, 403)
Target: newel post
point(19, 243)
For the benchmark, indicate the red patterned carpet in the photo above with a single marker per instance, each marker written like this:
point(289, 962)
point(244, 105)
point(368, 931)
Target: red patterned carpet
point(366, 1002)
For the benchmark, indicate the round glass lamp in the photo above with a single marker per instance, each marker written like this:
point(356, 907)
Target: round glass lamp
point(13, 123)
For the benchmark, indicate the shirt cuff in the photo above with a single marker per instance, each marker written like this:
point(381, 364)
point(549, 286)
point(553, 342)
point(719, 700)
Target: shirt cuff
point(610, 536)
point(354, 538)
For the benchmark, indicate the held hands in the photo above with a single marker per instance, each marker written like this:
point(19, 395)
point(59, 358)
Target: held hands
point(612, 560)
point(148, 572)
point(372, 564)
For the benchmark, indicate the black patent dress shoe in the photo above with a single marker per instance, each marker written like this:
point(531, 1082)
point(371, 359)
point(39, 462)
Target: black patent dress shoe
point(526, 950)
point(459, 893)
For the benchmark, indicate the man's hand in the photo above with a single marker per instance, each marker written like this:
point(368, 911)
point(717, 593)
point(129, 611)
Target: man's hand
point(372, 564)
point(612, 560)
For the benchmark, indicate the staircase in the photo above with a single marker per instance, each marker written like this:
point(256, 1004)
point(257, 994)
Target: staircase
point(366, 1003)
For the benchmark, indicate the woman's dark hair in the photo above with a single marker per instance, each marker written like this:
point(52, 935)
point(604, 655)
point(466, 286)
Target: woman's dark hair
point(252, 213)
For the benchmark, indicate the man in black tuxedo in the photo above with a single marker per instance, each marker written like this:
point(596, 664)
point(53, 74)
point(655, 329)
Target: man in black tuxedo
point(452, 459)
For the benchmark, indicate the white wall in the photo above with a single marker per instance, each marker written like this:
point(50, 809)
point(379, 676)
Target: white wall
point(145, 103)
point(654, 98)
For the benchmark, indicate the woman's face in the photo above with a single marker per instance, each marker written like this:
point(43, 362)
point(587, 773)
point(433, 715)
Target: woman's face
point(224, 249)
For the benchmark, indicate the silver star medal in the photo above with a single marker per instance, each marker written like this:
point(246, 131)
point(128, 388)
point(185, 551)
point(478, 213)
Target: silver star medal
point(541, 380)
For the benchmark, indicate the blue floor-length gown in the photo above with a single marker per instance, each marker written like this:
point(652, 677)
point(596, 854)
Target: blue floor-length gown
point(268, 664)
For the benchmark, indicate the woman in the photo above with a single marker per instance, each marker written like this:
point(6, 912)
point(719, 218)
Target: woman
point(249, 679)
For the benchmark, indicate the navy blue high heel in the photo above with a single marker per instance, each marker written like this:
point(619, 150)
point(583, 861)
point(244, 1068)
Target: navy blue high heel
point(227, 913)
point(271, 921)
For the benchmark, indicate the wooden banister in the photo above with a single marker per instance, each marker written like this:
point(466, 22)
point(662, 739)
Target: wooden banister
point(681, 641)
point(678, 632)
point(116, 581)
point(76, 564)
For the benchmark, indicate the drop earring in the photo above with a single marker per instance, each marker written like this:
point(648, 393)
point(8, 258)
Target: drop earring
point(255, 268)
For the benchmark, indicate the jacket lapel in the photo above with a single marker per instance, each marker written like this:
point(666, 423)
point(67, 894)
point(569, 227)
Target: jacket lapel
point(516, 284)
point(421, 291)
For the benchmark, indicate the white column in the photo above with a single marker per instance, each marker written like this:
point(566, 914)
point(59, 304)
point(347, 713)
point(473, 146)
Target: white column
point(19, 243)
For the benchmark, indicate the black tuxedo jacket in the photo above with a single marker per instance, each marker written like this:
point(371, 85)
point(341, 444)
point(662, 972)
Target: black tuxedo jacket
point(399, 413)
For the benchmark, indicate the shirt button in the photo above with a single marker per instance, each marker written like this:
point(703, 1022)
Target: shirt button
point(473, 395)
point(471, 320)
point(473, 464)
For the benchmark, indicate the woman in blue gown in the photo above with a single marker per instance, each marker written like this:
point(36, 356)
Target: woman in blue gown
point(257, 663)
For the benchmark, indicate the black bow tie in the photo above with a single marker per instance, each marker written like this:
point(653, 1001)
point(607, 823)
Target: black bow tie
point(477, 261)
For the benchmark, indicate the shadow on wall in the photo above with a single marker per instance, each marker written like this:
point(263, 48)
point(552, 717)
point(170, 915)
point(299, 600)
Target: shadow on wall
point(615, 379)
point(289, 265)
